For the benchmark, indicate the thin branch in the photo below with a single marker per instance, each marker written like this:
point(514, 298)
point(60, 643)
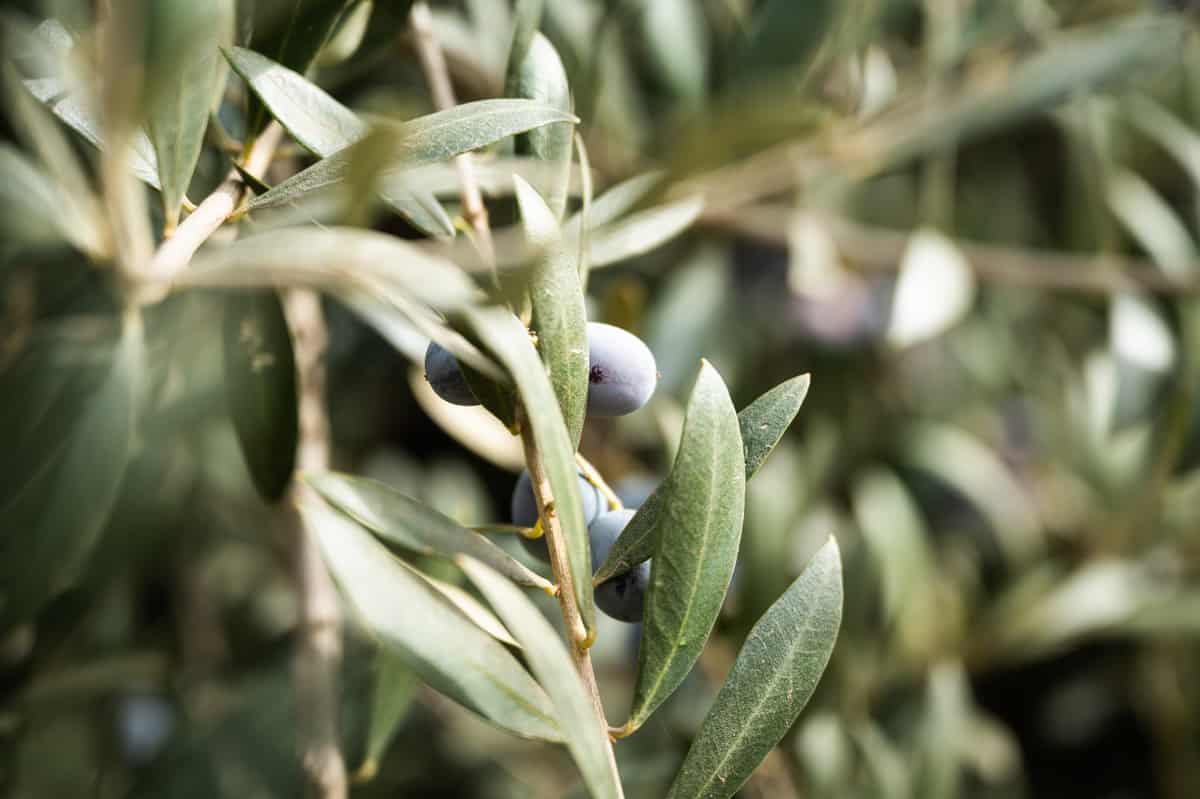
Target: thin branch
point(176, 253)
point(556, 543)
point(880, 250)
point(433, 62)
point(318, 652)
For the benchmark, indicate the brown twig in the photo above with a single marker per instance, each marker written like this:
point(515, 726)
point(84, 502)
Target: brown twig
point(876, 249)
point(433, 63)
point(318, 652)
point(174, 254)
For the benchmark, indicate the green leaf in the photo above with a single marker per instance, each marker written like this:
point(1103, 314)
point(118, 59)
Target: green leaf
point(184, 67)
point(639, 233)
point(395, 686)
point(414, 526)
point(784, 36)
point(618, 201)
point(540, 76)
point(291, 33)
point(411, 617)
point(527, 19)
point(30, 202)
point(586, 736)
point(506, 338)
point(84, 120)
point(772, 679)
point(702, 504)
point(675, 38)
point(318, 122)
point(49, 525)
point(762, 423)
point(333, 258)
point(559, 313)
point(260, 388)
point(323, 126)
point(425, 140)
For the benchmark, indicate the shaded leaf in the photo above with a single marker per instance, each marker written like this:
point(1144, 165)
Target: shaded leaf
point(762, 424)
point(774, 676)
point(30, 202)
point(783, 36)
point(414, 526)
point(260, 388)
point(425, 140)
point(559, 314)
point(506, 338)
point(441, 645)
point(474, 610)
point(700, 525)
point(49, 524)
point(395, 685)
point(586, 737)
point(540, 76)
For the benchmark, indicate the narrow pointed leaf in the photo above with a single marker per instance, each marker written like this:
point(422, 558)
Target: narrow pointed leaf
point(559, 313)
point(540, 76)
point(291, 33)
point(30, 202)
point(395, 685)
point(700, 526)
point(643, 231)
point(85, 121)
point(333, 257)
point(772, 679)
point(425, 140)
point(411, 617)
point(49, 526)
point(586, 738)
point(474, 610)
point(414, 526)
point(260, 388)
point(323, 126)
point(184, 66)
point(762, 423)
point(506, 338)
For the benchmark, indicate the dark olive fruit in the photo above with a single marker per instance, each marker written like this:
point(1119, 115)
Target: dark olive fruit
point(621, 371)
point(525, 512)
point(622, 597)
point(443, 373)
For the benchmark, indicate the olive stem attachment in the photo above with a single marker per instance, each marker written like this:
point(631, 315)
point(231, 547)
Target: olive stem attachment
point(593, 476)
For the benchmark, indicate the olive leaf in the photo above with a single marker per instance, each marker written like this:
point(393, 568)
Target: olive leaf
point(586, 736)
point(762, 425)
point(559, 313)
point(702, 504)
point(539, 75)
point(411, 617)
point(50, 521)
point(260, 388)
point(771, 681)
point(414, 526)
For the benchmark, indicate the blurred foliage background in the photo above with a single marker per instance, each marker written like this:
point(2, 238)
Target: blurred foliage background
point(974, 222)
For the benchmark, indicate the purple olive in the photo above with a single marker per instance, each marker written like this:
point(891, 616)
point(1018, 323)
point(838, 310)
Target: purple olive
point(622, 597)
point(525, 512)
point(621, 371)
point(446, 377)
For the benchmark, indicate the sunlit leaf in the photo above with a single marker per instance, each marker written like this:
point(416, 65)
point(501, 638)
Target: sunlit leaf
point(425, 140)
point(414, 526)
point(586, 737)
point(933, 292)
point(774, 675)
point(559, 315)
point(446, 649)
point(641, 232)
point(540, 76)
point(260, 388)
point(700, 526)
point(762, 424)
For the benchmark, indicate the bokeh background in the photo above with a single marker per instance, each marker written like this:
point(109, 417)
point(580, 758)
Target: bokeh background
point(972, 221)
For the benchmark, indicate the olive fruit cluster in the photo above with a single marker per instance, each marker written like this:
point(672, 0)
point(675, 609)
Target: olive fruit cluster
point(621, 372)
point(622, 597)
